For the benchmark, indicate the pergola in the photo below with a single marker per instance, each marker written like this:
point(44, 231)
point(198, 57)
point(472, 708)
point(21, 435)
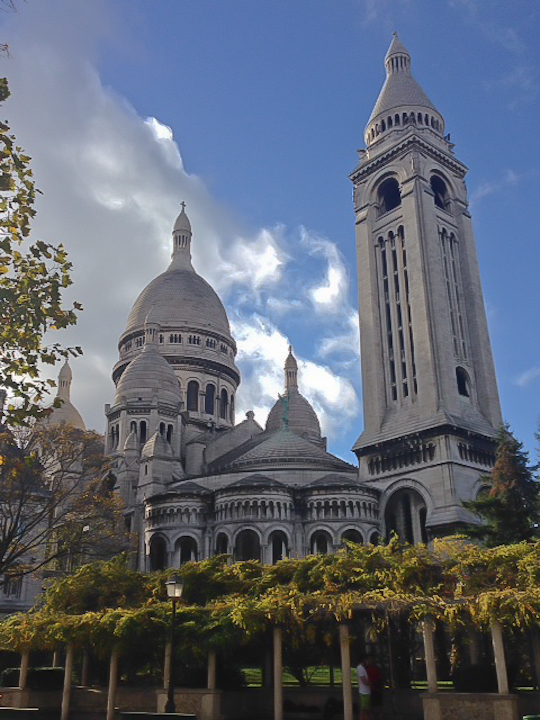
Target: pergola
point(461, 585)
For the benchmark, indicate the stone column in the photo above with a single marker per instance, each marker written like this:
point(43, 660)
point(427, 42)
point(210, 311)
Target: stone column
point(23, 671)
point(278, 674)
point(68, 676)
point(500, 660)
point(113, 681)
point(429, 650)
point(346, 671)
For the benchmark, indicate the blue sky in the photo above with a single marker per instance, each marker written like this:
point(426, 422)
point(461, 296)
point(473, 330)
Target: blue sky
point(253, 112)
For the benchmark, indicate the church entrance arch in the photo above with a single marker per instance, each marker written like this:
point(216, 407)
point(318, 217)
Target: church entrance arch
point(405, 515)
point(248, 546)
point(222, 544)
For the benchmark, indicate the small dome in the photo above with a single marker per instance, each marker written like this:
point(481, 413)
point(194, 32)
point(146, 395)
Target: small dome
point(147, 375)
point(295, 412)
point(157, 446)
point(66, 414)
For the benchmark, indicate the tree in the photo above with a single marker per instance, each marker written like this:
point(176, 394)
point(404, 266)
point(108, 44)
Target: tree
point(509, 509)
point(33, 277)
point(57, 507)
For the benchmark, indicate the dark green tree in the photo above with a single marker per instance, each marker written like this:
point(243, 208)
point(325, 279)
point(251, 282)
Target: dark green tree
point(509, 510)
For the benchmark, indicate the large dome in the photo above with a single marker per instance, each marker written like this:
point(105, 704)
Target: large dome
point(179, 298)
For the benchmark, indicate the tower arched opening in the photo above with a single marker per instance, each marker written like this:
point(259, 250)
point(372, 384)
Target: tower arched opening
point(463, 382)
point(440, 192)
point(388, 195)
point(279, 544)
point(187, 550)
point(193, 396)
point(406, 515)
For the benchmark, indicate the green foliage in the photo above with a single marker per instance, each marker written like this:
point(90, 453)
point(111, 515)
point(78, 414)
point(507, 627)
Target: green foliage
point(509, 510)
point(232, 606)
point(33, 278)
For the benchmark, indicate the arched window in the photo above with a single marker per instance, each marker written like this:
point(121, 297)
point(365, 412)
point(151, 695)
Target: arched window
point(388, 195)
point(158, 553)
point(170, 430)
point(162, 429)
point(143, 431)
point(133, 427)
point(210, 399)
point(187, 550)
point(278, 540)
point(321, 543)
point(352, 536)
point(224, 404)
point(463, 382)
point(232, 408)
point(193, 396)
point(248, 546)
point(440, 192)
point(222, 544)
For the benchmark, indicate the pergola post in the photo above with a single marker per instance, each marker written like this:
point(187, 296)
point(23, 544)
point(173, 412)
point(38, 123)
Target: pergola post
point(85, 668)
point(68, 677)
point(212, 667)
point(113, 682)
point(23, 671)
point(500, 660)
point(429, 651)
point(167, 664)
point(278, 674)
point(535, 636)
point(344, 648)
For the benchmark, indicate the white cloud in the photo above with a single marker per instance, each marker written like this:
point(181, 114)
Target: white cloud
point(527, 377)
point(262, 349)
point(509, 179)
point(113, 182)
point(331, 294)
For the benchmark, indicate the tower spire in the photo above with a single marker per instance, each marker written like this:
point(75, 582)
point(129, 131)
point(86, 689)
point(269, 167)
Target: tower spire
point(65, 377)
point(181, 254)
point(291, 373)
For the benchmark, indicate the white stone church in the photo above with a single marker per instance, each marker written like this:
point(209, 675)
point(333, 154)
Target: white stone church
point(196, 483)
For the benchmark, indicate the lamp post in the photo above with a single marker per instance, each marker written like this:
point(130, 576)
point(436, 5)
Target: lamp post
point(175, 587)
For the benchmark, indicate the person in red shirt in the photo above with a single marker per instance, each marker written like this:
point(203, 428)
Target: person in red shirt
point(376, 686)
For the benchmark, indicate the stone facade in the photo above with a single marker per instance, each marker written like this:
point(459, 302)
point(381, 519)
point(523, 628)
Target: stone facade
point(195, 483)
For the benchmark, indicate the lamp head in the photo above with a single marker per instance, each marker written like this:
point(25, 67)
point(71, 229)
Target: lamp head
point(175, 587)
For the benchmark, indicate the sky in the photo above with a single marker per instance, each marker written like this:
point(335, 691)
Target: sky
point(253, 112)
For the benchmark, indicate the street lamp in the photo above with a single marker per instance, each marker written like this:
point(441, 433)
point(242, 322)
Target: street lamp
point(175, 587)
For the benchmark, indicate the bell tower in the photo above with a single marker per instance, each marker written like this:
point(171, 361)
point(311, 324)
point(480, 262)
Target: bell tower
point(431, 406)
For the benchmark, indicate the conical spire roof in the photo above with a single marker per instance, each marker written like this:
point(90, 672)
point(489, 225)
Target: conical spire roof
point(400, 89)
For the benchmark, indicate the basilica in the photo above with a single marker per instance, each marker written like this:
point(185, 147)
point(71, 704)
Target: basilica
point(197, 481)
